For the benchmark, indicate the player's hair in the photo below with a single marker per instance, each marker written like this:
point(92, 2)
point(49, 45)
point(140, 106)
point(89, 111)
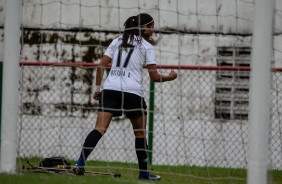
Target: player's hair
point(133, 26)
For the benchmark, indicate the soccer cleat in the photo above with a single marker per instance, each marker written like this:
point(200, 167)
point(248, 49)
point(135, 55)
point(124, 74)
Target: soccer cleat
point(149, 176)
point(78, 170)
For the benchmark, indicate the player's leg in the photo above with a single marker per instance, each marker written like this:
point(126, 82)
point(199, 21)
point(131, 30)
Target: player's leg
point(91, 140)
point(139, 127)
point(135, 109)
point(109, 106)
point(102, 124)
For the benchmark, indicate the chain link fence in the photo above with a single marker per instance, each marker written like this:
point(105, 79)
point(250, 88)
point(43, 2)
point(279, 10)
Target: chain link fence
point(200, 119)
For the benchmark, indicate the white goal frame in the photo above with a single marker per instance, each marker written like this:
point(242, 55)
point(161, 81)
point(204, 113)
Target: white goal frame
point(259, 123)
point(11, 73)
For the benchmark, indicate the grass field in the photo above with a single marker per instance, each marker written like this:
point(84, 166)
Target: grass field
point(129, 172)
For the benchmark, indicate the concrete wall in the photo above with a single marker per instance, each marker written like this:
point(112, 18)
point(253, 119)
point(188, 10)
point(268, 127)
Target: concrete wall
point(59, 31)
point(230, 16)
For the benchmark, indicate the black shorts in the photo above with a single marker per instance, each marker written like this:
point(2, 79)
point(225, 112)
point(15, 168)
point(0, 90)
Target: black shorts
point(118, 102)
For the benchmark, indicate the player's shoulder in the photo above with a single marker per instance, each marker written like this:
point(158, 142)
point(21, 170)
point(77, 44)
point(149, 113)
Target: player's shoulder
point(138, 40)
point(146, 46)
point(117, 40)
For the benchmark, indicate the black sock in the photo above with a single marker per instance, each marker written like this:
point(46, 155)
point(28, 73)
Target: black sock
point(90, 142)
point(141, 152)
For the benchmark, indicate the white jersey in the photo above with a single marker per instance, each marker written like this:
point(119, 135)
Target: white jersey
point(127, 65)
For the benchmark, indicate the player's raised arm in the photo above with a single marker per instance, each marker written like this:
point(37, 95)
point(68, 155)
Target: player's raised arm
point(157, 77)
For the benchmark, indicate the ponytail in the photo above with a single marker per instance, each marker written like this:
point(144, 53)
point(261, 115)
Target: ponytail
point(133, 26)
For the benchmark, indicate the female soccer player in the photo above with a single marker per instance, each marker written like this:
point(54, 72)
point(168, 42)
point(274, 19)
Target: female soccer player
point(122, 90)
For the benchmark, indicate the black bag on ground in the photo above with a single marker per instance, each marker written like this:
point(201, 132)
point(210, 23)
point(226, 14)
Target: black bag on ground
point(58, 162)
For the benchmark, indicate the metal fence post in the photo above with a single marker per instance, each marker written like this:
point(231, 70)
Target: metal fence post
point(1, 78)
point(151, 121)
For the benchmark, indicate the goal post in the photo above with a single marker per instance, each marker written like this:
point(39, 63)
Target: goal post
point(11, 70)
point(259, 124)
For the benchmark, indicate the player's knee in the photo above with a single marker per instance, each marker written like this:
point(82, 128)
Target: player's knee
point(102, 130)
point(139, 134)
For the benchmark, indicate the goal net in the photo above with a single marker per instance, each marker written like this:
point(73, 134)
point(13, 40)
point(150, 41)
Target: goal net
point(200, 120)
